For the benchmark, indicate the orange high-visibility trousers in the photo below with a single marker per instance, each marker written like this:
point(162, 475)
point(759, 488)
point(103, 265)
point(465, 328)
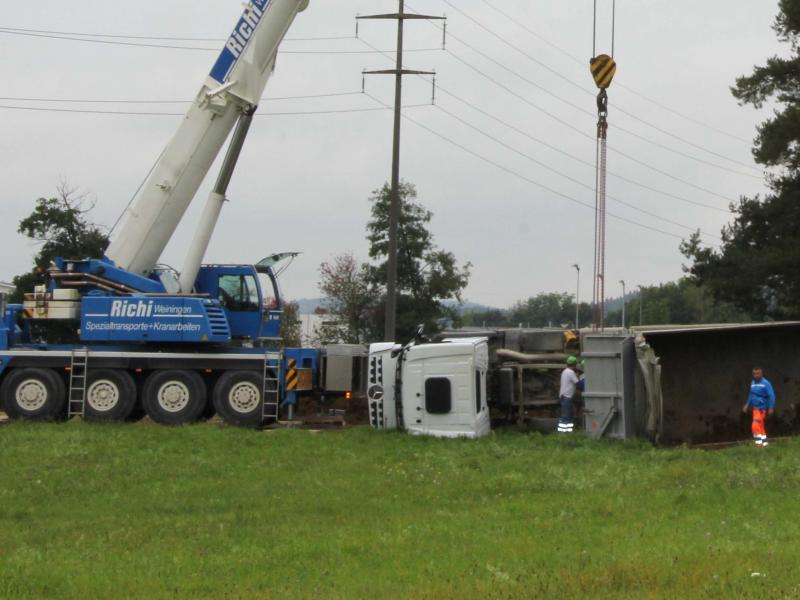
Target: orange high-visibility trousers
point(759, 432)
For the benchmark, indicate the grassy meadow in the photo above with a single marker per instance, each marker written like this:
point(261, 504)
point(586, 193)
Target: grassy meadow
point(141, 511)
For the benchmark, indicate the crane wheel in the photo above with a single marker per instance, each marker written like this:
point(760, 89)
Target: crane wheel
point(35, 394)
point(110, 395)
point(174, 397)
point(237, 398)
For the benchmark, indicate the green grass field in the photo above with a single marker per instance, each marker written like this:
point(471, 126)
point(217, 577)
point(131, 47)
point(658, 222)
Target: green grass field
point(215, 512)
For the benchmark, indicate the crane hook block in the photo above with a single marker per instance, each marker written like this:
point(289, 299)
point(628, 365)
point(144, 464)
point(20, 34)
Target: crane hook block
point(603, 69)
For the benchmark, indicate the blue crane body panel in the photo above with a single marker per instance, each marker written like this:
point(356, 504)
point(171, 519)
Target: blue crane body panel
point(149, 319)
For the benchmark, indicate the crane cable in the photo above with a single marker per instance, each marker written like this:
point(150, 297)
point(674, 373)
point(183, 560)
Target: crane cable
point(603, 69)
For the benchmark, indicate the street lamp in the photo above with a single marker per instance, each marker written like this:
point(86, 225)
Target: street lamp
point(641, 303)
point(577, 297)
point(622, 281)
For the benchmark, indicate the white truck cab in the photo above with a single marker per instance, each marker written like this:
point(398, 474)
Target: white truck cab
point(441, 387)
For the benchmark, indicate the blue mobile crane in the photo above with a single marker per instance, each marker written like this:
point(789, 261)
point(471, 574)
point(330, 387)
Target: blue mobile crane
point(139, 334)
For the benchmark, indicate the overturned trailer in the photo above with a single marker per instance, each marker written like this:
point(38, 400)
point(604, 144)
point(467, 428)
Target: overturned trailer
point(687, 384)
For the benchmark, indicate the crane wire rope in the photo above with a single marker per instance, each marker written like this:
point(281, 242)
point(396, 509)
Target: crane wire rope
point(603, 68)
point(136, 193)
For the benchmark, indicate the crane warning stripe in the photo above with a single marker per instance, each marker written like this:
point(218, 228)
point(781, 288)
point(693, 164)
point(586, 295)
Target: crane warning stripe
point(603, 70)
point(291, 375)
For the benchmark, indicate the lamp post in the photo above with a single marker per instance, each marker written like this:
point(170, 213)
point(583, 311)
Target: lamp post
point(577, 297)
point(622, 281)
point(641, 303)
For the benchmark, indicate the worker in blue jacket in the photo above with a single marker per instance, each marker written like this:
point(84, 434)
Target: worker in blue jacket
point(762, 400)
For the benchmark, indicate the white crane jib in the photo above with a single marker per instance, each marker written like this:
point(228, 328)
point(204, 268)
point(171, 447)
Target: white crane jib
point(231, 91)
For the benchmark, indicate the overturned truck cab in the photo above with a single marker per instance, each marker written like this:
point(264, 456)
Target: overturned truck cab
point(436, 389)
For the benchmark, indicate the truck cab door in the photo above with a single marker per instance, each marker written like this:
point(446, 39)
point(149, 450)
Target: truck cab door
point(240, 296)
point(273, 305)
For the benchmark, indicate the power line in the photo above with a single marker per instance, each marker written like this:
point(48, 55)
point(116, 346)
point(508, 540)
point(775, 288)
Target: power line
point(582, 63)
point(589, 113)
point(572, 156)
point(171, 38)
point(119, 101)
point(176, 114)
point(511, 171)
point(523, 177)
point(569, 177)
point(584, 134)
point(582, 89)
point(193, 48)
point(534, 182)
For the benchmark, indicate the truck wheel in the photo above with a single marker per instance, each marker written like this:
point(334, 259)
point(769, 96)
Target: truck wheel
point(110, 395)
point(36, 394)
point(174, 397)
point(237, 398)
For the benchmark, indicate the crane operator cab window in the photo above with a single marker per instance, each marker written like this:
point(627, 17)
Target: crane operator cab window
point(238, 293)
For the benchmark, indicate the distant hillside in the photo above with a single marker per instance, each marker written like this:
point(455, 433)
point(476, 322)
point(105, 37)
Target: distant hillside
point(309, 305)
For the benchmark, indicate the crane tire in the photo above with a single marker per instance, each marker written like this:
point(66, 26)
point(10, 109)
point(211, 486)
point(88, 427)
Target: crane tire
point(110, 395)
point(34, 394)
point(237, 398)
point(174, 397)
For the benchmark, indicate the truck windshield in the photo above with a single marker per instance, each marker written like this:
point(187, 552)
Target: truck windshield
point(238, 292)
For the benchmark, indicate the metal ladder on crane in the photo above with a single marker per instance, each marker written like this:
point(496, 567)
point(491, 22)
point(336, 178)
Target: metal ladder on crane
point(270, 394)
point(78, 372)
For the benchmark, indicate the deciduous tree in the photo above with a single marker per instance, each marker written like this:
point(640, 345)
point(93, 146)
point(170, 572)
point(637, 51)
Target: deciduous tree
point(427, 276)
point(350, 299)
point(62, 227)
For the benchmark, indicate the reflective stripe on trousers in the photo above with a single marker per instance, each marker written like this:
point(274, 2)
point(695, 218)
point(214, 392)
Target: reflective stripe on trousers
point(759, 431)
point(565, 424)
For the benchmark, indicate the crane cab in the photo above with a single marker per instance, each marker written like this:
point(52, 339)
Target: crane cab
point(249, 295)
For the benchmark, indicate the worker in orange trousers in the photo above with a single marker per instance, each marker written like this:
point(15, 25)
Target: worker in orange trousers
point(762, 400)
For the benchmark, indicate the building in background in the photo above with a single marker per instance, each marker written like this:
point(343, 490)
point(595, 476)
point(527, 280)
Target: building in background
point(6, 288)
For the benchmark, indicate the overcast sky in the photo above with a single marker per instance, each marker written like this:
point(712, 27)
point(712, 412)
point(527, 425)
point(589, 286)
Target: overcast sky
point(303, 180)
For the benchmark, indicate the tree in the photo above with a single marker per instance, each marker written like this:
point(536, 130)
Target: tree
point(681, 302)
point(291, 329)
point(543, 310)
point(427, 276)
point(350, 300)
point(60, 224)
point(757, 268)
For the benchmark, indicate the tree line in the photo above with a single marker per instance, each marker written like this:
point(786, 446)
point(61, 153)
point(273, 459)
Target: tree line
point(680, 302)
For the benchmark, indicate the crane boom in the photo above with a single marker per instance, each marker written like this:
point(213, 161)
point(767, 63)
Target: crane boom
point(233, 88)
